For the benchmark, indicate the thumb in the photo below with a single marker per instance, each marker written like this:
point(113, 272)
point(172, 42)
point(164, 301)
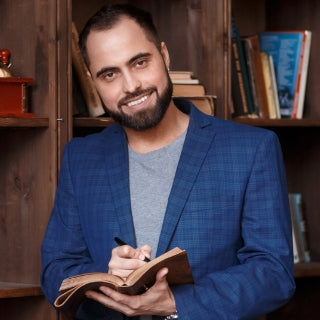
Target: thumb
point(162, 275)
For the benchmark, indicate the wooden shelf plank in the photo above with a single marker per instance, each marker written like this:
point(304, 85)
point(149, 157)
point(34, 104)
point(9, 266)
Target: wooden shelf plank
point(16, 290)
point(92, 122)
point(24, 122)
point(310, 269)
point(279, 122)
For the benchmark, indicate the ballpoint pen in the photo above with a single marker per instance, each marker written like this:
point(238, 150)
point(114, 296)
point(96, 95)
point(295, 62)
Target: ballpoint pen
point(122, 243)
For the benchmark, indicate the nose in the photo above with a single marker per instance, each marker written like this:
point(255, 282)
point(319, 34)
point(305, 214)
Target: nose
point(131, 82)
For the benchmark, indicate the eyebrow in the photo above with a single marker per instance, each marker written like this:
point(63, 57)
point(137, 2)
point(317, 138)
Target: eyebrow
point(134, 58)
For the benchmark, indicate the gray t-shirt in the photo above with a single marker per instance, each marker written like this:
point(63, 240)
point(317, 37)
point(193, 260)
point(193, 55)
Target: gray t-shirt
point(151, 176)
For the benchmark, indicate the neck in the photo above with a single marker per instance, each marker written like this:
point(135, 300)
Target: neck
point(173, 124)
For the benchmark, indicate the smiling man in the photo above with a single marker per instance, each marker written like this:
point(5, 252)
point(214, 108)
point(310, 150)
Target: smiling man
point(166, 175)
point(133, 84)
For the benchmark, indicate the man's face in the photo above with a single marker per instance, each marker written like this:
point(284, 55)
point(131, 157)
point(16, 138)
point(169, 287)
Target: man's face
point(130, 74)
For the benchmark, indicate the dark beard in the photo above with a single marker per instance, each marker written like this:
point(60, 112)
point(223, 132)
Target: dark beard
point(145, 119)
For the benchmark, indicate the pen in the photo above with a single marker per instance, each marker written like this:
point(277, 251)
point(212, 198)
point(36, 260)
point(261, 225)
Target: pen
point(122, 243)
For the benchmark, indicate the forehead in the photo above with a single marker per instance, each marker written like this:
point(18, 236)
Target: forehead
point(118, 44)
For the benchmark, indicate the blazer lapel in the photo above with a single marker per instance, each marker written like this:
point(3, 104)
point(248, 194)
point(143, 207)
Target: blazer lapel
point(196, 146)
point(118, 173)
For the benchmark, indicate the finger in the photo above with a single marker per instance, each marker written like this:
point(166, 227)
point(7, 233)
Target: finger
point(125, 252)
point(131, 253)
point(104, 298)
point(124, 260)
point(146, 251)
point(162, 275)
point(120, 302)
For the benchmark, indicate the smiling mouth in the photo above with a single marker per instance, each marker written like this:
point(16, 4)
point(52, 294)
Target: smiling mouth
point(137, 98)
point(136, 102)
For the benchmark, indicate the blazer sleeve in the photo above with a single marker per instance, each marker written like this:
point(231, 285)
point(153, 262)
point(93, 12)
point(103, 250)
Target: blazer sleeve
point(64, 250)
point(262, 279)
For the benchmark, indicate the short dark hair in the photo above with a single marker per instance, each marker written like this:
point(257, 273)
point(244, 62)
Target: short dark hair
point(109, 15)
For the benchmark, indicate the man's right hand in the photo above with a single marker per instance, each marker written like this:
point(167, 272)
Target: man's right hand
point(125, 259)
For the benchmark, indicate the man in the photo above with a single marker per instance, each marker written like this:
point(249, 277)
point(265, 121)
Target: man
point(166, 175)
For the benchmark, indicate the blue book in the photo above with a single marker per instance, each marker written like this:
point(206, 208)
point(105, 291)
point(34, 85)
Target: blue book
point(288, 51)
point(299, 226)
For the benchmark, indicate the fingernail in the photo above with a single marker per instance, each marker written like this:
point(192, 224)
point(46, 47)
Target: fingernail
point(142, 257)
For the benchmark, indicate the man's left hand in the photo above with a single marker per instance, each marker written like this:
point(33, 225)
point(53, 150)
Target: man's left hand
point(158, 300)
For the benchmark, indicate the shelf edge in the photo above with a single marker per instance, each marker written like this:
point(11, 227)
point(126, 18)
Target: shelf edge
point(17, 290)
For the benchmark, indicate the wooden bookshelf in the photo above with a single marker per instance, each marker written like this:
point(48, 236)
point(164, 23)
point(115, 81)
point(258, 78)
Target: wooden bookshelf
point(299, 138)
point(32, 147)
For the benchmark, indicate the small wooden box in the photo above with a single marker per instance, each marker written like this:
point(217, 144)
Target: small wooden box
point(13, 99)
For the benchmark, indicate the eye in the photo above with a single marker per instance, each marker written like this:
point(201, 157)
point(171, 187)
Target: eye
point(108, 76)
point(141, 63)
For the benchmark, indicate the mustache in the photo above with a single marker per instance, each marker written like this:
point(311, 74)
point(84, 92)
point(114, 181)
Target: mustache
point(135, 94)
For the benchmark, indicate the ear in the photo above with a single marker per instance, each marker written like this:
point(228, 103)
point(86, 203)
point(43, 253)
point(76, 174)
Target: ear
point(165, 54)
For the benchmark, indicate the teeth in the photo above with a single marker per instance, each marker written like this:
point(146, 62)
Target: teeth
point(134, 103)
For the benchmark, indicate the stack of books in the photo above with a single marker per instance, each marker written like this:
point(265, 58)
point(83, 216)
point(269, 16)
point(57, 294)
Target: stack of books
point(269, 73)
point(186, 85)
point(290, 51)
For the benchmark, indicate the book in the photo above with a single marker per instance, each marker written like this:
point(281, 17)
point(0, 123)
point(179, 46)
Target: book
point(298, 102)
point(79, 106)
point(72, 289)
point(299, 226)
point(89, 92)
point(239, 99)
point(290, 51)
point(274, 88)
point(255, 72)
point(252, 78)
point(267, 64)
point(188, 90)
point(240, 86)
point(296, 258)
point(204, 103)
point(186, 86)
point(185, 81)
point(183, 77)
point(180, 75)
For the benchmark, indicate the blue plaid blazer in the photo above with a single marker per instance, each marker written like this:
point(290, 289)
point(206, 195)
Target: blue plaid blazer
point(228, 207)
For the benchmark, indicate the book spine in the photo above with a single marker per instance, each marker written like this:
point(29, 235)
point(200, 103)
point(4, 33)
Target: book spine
point(258, 74)
point(299, 226)
point(268, 84)
point(90, 94)
point(251, 74)
point(185, 81)
point(274, 88)
point(302, 223)
point(240, 77)
point(187, 90)
point(295, 230)
point(239, 98)
point(298, 102)
point(296, 258)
